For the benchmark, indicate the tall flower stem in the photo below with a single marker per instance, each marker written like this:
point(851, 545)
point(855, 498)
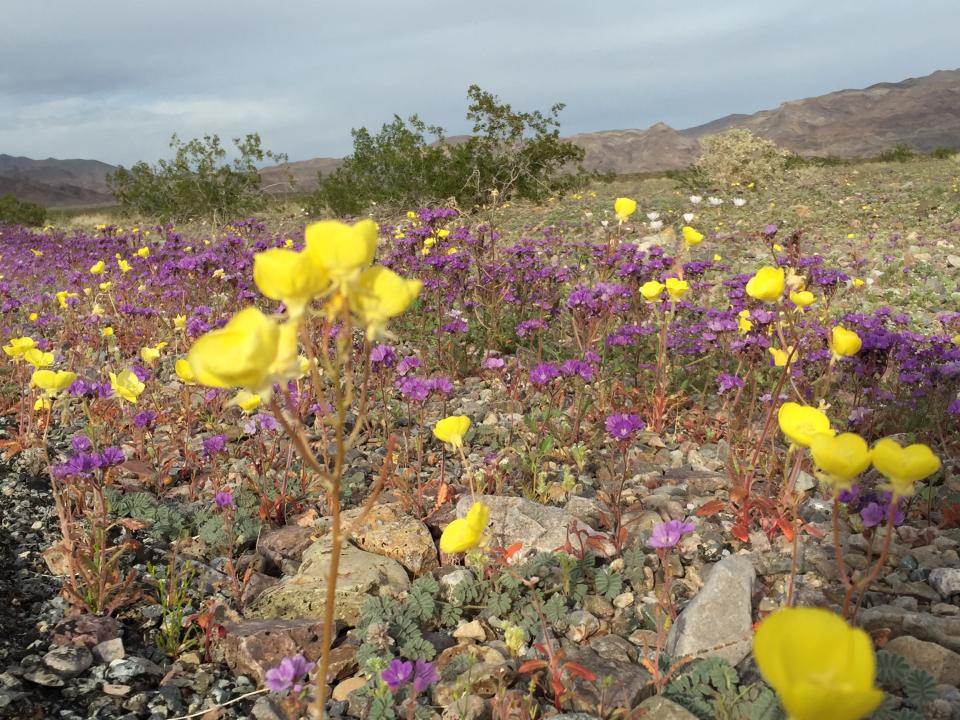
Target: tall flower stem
point(865, 582)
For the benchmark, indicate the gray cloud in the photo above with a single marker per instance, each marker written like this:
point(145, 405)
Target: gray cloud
point(113, 79)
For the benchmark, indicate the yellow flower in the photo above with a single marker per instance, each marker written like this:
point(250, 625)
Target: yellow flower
point(777, 247)
point(143, 252)
point(62, 297)
point(150, 355)
point(42, 403)
point(801, 422)
point(38, 253)
point(51, 381)
point(843, 342)
point(179, 322)
point(780, 357)
point(690, 236)
point(246, 401)
point(18, 346)
point(858, 282)
point(442, 233)
point(514, 637)
point(184, 372)
point(465, 533)
point(107, 331)
point(290, 276)
point(841, 458)
point(717, 258)
point(124, 266)
point(97, 267)
point(802, 298)
point(819, 666)
point(652, 290)
point(903, 466)
point(381, 294)
point(676, 288)
point(624, 208)
point(127, 385)
point(38, 358)
point(344, 251)
point(32, 317)
point(452, 429)
point(743, 323)
point(239, 354)
point(767, 285)
point(105, 285)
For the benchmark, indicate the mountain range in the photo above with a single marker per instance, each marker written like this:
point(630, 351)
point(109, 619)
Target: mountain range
point(923, 113)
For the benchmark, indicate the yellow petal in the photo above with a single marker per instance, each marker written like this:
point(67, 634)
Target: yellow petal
point(239, 354)
point(452, 429)
point(801, 422)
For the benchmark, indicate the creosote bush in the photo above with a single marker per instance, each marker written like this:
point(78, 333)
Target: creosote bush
point(21, 212)
point(740, 157)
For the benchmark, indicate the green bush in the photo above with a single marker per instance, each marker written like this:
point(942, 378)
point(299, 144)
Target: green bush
point(510, 154)
point(21, 212)
point(739, 156)
point(898, 153)
point(197, 182)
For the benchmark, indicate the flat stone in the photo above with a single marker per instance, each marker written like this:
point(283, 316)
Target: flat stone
point(944, 631)
point(68, 661)
point(717, 622)
point(86, 630)
point(45, 677)
point(472, 630)
point(388, 530)
point(942, 664)
point(945, 581)
point(303, 595)
point(581, 625)
point(538, 528)
point(660, 708)
point(285, 543)
point(343, 689)
point(468, 707)
point(115, 690)
point(251, 647)
point(614, 648)
point(126, 669)
point(630, 683)
point(109, 650)
point(255, 585)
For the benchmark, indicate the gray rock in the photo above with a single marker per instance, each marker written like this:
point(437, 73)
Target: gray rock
point(125, 670)
point(659, 708)
point(452, 577)
point(68, 661)
point(945, 581)
point(581, 625)
point(630, 683)
point(942, 664)
point(388, 530)
point(717, 622)
point(109, 650)
point(265, 708)
point(45, 677)
point(943, 631)
point(538, 528)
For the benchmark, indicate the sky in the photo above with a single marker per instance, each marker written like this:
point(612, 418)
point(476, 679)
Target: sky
point(113, 79)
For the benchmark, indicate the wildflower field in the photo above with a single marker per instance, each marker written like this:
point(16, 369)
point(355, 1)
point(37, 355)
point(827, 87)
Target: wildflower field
point(634, 452)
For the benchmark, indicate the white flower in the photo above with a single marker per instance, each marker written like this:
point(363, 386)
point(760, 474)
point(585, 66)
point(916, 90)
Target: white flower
point(688, 218)
point(604, 222)
point(739, 202)
point(695, 199)
point(653, 215)
point(714, 201)
point(655, 224)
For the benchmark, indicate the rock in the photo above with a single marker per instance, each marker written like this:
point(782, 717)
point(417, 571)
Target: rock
point(631, 683)
point(343, 689)
point(581, 625)
point(586, 510)
point(115, 690)
point(86, 630)
point(943, 631)
point(945, 581)
point(942, 664)
point(303, 595)
point(484, 679)
point(45, 677)
point(109, 650)
point(613, 648)
point(538, 528)
point(388, 530)
point(126, 669)
point(718, 620)
point(468, 707)
point(623, 600)
point(285, 543)
point(953, 261)
point(251, 647)
point(659, 708)
point(472, 630)
point(266, 708)
point(255, 585)
point(452, 577)
point(68, 661)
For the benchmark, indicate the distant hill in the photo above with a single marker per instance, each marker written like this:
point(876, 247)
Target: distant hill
point(923, 113)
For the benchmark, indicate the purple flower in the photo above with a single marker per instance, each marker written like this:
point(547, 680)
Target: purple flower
point(668, 534)
point(144, 419)
point(414, 388)
point(770, 230)
point(872, 515)
point(214, 444)
point(383, 356)
point(492, 363)
point(426, 676)
point(288, 674)
point(224, 500)
point(407, 364)
point(111, 456)
point(623, 426)
point(440, 385)
point(397, 674)
point(544, 373)
point(577, 367)
point(726, 382)
point(80, 443)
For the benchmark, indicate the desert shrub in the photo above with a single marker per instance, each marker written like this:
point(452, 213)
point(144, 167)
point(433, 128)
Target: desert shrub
point(944, 153)
point(739, 156)
point(408, 163)
point(898, 153)
point(197, 182)
point(21, 212)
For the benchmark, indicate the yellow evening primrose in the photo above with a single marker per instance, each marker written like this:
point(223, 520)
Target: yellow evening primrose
point(32, 317)
point(18, 346)
point(843, 342)
point(819, 666)
point(184, 372)
point(63, 296)
point(743, 322)
point(124, 266)
point(717, 258)
point(839, 459)
point(652, 290)
point(38, 358)
point(179, 322)
point(107, 331)
point(343, 251)
point(143, 252)
point(624, 208)
point(858, 282)
point(98, 267)
point(126, 385)
point(42, 403)
point(690, 236)
point(903, 466)
point(105, 285)
point(676, 288)
point(286, 365)
point(246, 401)
point(52, 381)
point(381, 294)
point(465, 533)
point(780, 357)
point(38, 253)
point(767, 285)
point(452, 429)
point(290, 276)
point(239, 354)
point(801, 422)
point(802, 298)
point(150, 355)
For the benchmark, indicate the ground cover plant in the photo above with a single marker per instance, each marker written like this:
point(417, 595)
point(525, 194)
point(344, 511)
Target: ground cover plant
point(631, 452)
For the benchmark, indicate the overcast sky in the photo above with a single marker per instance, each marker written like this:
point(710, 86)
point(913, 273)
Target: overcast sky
point(113, 79)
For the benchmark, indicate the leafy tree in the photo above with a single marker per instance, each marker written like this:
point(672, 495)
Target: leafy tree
point(511, 154)
point(21, 212)
point(197, 182)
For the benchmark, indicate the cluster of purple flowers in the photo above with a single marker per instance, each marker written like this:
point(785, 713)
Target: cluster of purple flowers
point(668, 534)
point(290, 675)
point(420, 675)
point(85, 463)
point(622, 427)
point(874, 507)
point(417, 389)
